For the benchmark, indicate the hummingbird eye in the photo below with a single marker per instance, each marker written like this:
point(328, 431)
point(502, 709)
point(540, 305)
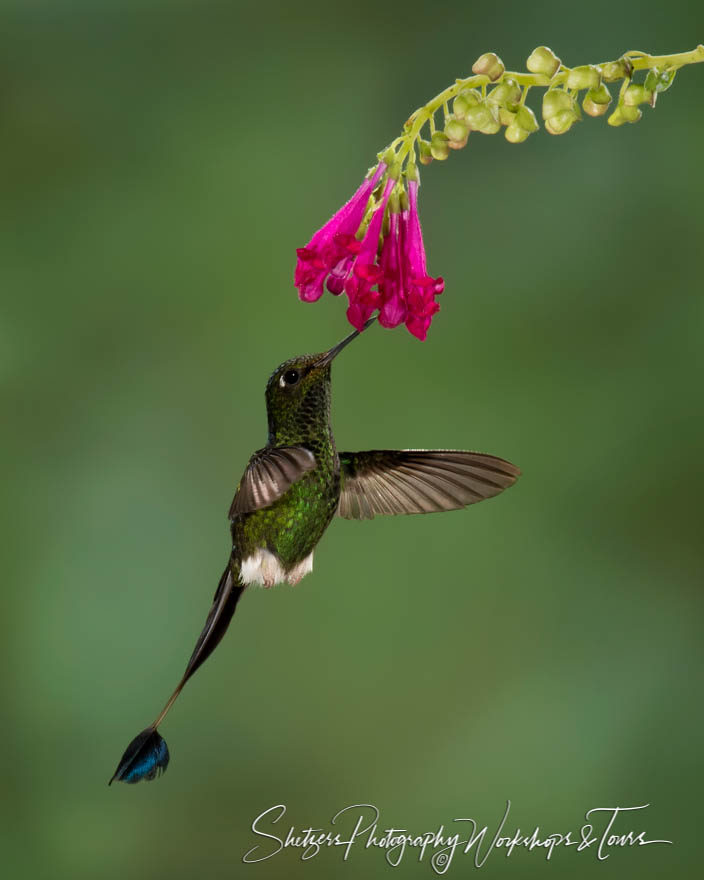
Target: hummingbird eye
point(290, 377)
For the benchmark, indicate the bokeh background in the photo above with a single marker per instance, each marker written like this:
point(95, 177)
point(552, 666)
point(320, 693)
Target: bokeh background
point(161, 161)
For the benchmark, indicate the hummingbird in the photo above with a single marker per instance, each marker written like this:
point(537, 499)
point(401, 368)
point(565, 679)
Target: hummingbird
point(288, 495)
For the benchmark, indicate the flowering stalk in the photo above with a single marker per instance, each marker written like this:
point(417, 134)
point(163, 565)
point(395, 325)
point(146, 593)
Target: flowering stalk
point(372, 248)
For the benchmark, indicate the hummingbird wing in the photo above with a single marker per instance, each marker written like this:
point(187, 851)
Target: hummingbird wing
point(270, 472)
point(388, 481)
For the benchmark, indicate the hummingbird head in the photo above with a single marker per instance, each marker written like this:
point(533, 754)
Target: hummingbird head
point(298, 394)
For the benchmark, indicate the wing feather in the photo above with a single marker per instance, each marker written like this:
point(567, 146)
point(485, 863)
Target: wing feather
point(386, 481)
point(270, 473)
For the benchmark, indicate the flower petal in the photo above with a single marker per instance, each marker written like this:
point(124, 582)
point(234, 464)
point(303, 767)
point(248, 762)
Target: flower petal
point(366, 273)
point(324, 250)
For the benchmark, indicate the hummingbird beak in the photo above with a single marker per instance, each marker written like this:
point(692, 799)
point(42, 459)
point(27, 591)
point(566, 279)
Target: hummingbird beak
point(330, 355)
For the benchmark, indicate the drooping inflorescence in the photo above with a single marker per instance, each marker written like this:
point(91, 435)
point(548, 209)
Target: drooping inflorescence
point(372, 248)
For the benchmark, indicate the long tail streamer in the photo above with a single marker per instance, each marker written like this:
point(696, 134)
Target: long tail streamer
point(147, 756)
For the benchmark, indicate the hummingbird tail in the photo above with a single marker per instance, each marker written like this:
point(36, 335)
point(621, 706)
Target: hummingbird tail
point(219, 617)
point(148, 755)
point(145, 758)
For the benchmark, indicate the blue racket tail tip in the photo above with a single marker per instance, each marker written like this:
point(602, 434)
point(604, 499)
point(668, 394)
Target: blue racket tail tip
point(146, 757)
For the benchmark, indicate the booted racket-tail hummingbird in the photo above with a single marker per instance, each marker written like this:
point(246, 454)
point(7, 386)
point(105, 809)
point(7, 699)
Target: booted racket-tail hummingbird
point(290, 492)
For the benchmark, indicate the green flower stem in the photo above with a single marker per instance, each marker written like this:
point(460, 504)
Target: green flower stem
point(631, 62)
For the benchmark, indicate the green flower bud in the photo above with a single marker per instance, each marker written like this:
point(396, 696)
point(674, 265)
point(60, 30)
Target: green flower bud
point(439, 148)
point(659, 80)
point(585, 77)
point(460, 106)
point(425, 157)
point(596, 101)
point(514, 134)
point(543, 60)
point(636, 94)
point(561, 123)
point(464, 101)
point(506, 92)
point(555, 101)
point(630, 113)
point(489, 64)
point(472, 96)
point(457, 131)
point(506, 116)
point(526, 119)
point(484, 118)
point(616, 70)
point(623, 114)
point(590, 106)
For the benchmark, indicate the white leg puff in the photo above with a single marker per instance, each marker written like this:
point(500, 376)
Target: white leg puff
point(264, 568)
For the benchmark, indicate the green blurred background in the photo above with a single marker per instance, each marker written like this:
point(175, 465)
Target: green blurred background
point(161, 162)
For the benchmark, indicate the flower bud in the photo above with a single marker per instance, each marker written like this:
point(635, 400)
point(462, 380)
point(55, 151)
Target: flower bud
point(439, 148)
point(543, 60)
point(460, 107)
point(457, 131)
point(630, 113)
point(561, 123)
point(624, 114)
point(506, 92)
point(425, 157)
point(489, 64)
point(596, 101)
point(616, 70)
point(484, 118)
point(515, 134)
point(555, 101)
point(506, 116)
point(636, 94)
point(591, 108)
point(526, 119)
point(585, 77)
point(464, 101)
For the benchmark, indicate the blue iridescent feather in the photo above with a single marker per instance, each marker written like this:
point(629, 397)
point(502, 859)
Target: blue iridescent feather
point(145, 758)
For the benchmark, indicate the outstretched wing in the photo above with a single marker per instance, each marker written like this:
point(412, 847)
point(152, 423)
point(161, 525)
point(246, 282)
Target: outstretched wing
point(269, 474)
point(387, 481)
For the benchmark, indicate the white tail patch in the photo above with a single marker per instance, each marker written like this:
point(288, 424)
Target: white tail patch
point(264, 568)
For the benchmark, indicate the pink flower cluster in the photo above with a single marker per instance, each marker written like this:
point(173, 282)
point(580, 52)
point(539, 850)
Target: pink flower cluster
point(384, 272)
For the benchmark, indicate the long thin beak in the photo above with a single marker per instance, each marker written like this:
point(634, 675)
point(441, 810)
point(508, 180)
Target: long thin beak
point(336, 349)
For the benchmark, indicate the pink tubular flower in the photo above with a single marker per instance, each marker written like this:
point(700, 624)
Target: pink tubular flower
point(366, 273)
point(393, 309)
point(421, 288)
point(323, 253)
point(386, 270)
